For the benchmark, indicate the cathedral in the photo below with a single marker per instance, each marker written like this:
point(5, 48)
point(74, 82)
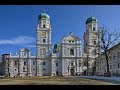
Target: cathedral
point(68, 58)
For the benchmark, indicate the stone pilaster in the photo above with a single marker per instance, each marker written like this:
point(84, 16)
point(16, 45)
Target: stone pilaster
point(20, 65)
point(29, 67)
point(21, 68)
point(39, 73)
point(11, 68)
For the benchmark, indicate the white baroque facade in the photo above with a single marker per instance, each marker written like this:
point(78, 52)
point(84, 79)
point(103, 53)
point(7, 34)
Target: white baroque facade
point(67, 57)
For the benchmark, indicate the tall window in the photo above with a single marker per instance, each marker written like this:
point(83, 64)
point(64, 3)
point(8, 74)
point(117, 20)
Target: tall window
point(43, 63)
point(118, 54)
point(94, 42)
point(56, 64)
point(24, 63)
point(114, 66)
point(44, 40)
point(71, 64)
point(118, 65)
point(43, 51)
point(24, 70)
point(93, 28)
point(44, 26)
point(71, 52)
point(110, 66)
point(33, 63)
point(15, 63)
point(114, 56)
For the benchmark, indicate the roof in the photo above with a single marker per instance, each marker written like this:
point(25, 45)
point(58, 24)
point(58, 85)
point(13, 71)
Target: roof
point(91, 19)
point(115, 46)
point(43, 15)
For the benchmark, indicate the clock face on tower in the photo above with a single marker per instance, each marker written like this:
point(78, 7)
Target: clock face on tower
point(43, 34)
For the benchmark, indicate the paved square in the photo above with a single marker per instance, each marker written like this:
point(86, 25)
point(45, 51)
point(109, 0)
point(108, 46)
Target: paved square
point(48, 80)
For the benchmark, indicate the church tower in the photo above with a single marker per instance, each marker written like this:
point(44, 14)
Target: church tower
point(43, 45)
point(91, 41)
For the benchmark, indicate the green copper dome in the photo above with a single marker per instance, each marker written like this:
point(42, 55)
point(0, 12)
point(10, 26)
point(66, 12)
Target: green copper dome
point(43, 15)
point(91, 19)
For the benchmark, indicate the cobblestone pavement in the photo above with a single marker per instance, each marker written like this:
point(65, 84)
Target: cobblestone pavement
point(51, 81)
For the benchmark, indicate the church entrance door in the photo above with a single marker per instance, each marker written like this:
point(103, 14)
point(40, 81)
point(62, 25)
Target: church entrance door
point(72, 71)
point(56, 73)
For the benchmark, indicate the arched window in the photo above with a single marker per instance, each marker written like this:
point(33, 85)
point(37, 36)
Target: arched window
point(71, 52)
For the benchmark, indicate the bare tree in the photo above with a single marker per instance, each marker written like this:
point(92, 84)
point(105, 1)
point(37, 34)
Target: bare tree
point(107, 39)
point(86, 63)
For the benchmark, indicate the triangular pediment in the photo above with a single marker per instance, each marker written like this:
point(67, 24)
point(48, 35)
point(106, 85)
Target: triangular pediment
point(70, 38)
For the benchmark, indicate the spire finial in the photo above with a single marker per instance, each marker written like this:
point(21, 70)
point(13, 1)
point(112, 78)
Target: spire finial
point(71, 33)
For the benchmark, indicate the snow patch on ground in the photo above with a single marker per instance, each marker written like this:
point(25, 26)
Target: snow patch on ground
point(102, 78)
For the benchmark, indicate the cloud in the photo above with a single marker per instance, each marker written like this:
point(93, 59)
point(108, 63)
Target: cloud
point(18, 40)
point(30, 46)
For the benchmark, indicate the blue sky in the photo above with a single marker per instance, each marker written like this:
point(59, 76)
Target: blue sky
point(18, 22)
